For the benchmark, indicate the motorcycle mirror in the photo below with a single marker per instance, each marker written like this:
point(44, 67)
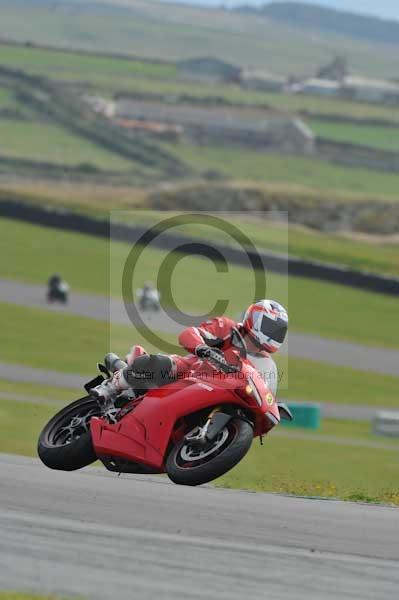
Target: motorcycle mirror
point(239, 342)
point(104, 370)
point(285, 412)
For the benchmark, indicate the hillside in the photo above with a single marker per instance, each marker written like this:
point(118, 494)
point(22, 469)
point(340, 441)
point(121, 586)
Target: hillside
point(171, 32)
point(46, 130)
point(318, 18)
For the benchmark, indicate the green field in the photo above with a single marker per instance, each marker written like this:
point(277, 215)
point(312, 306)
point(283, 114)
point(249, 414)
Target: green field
point(50, 143)
point(83, 262)
point(80, 66)
point(22, 596)
point(103, 73)
point(6, 98)
point(382, 138)
point(314, 173)
point(330, 106)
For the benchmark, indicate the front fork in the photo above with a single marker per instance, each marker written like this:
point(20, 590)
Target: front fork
point(215, 423)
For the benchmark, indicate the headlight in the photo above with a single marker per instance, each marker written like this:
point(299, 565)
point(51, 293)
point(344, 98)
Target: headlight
point(252, 390)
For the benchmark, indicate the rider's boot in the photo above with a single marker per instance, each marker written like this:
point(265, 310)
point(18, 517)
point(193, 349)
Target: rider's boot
point(112, 387)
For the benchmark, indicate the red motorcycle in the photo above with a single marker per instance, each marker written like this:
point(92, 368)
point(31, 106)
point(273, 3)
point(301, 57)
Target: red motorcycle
point(194, 429)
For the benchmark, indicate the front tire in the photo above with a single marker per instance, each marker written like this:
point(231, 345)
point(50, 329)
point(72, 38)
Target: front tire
point(65, 442)
point(193, 466)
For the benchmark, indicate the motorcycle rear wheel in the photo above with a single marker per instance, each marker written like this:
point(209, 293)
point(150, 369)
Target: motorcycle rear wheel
point(65, 442)
point(188, 465)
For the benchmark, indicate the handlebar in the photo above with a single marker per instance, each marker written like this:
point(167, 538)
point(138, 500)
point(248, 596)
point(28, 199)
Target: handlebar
point(219, 360)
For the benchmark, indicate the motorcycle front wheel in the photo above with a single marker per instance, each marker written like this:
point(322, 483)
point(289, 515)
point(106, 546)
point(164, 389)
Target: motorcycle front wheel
point(65, 442)
point(191, 464)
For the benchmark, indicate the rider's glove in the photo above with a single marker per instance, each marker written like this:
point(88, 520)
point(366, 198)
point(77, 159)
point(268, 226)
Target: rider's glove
point(203, 351)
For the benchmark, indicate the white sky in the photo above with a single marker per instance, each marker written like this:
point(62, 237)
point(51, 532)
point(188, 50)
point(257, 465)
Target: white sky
point(381, 8)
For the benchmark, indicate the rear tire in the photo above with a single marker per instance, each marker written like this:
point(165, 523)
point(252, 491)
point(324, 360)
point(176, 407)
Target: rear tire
point(65, 444)
point(238, 442)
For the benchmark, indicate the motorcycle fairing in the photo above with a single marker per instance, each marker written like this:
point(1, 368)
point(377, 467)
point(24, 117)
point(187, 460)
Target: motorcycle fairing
point(143, 435)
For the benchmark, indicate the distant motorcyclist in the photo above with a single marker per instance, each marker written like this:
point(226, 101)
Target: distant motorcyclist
point(149, 297)
point(57, 289)
point(264, 329)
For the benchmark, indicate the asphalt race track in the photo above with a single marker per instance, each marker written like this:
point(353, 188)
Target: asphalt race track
point(100, 536)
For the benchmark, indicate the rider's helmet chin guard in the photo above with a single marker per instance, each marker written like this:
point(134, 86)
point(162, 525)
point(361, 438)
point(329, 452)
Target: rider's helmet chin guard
point(266, 322)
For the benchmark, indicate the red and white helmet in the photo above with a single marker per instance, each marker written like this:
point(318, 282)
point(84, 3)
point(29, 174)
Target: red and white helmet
point(267, 322)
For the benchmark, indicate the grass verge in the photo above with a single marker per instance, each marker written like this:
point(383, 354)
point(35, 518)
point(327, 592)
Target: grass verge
point(341, 430)
point(43, 392)
point(21, 424)
point(61, 342)
point(319, 382)
point(322, 469)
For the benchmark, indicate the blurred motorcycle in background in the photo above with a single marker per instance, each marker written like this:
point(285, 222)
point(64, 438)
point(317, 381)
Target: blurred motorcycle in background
point(149, 297)
point(57, 289)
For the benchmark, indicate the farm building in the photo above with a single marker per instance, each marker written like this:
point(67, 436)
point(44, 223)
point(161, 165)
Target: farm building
point(253, 79)
point(208, 69)
point(371, 90)
point(100, 105)
point(335, 70)
point(250, 127)
point(317, 87)
point(161, 130)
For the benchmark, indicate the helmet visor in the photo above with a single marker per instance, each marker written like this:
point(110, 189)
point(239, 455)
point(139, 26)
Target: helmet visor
point(276, 330)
